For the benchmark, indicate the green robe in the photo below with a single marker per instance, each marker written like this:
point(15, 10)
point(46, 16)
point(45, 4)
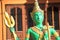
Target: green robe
point(36, 36)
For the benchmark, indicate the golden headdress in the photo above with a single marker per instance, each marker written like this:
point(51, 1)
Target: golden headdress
point(36, 8)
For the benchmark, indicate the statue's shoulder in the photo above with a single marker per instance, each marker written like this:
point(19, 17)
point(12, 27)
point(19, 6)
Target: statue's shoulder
point(32, 28)
point(29, 29)
point(46, 27)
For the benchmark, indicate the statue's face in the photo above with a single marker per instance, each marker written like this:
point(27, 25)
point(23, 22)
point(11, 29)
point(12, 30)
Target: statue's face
point(38, 17)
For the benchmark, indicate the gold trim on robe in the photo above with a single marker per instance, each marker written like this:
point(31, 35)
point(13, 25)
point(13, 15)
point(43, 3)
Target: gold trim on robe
point(39, 32)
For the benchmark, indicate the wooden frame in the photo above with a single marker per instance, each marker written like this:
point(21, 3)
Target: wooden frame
point(1, 32)
point(59, 18)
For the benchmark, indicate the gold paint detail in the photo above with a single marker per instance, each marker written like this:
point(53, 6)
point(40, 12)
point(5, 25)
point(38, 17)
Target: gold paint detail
point(45, 27)
point(36, 8)
point(39, 32)
point(27, 35)
point(14, 35)
point(56, 34)
point(8, 20)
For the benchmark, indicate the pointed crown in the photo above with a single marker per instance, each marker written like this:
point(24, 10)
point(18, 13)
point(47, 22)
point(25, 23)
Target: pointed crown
point(36, 8)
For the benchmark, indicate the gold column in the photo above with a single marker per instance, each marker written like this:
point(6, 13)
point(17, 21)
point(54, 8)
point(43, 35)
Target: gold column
point(59, 17)
point(46, 6)
point(52, 16)
point(46, 22)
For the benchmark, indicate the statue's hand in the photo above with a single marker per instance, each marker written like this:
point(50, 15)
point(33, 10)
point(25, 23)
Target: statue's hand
point(57, 38)
point(12, 29)
point(17, 38)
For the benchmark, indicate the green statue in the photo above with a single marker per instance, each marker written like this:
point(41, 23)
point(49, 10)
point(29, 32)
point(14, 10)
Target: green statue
point(9, 22)
point(40, 31)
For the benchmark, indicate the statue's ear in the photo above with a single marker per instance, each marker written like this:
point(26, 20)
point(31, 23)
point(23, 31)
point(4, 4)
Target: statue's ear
point(31, 15)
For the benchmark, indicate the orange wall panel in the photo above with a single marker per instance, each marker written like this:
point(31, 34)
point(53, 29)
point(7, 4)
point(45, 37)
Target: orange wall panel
point(14, 1)
point(0, 23)
point(29, 1)
point(0, 7)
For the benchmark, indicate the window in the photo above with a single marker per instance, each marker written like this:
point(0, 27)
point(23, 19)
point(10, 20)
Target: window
point(19, 19)
point(49, 15)
point(56, 18)
point(17, 14)
point(29, 8)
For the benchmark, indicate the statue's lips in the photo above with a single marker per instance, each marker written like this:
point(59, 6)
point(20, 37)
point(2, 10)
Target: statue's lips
point(39, 19)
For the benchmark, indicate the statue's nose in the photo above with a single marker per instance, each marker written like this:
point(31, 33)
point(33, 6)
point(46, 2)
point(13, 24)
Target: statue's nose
point(39, 17)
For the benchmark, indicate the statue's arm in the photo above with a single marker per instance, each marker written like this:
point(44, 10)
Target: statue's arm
point(53, 32)
point(27, 34)
point(45, 35)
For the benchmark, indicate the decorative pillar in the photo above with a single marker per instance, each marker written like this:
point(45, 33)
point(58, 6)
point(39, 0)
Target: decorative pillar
point(1, 30)
point(59, 17)
point(52, 16)
point(46, 6)
point(2, 38)
point(46, 22)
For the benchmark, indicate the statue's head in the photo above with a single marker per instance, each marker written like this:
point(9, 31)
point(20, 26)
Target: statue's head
point(37, 17)
point(37, 14)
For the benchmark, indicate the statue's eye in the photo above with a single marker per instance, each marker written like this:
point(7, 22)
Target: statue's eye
point(36, 15)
